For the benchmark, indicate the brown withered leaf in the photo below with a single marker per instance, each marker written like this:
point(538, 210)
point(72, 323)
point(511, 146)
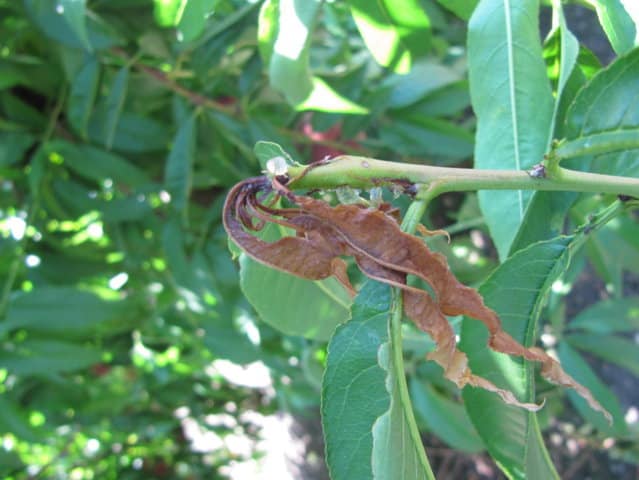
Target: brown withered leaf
point(383, 252)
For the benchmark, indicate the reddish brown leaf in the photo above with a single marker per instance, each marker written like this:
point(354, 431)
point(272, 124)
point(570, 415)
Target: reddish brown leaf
point(385, 253)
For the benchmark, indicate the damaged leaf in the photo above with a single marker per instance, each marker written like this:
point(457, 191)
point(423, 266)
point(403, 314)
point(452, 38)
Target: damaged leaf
point(382, 252)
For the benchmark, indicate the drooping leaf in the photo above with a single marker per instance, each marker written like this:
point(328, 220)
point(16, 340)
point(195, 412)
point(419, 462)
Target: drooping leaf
point(133, 132)
point(619, 23)
point(423, 78)
point(13, 146)
point(179, 165)
point(382, 252)
point(395, 32)
point(513, 102)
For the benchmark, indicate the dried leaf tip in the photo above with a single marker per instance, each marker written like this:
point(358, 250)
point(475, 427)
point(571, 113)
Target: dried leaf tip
point(372, 236)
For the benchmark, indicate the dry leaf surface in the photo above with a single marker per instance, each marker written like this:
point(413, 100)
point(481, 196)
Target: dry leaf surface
point(383, 252)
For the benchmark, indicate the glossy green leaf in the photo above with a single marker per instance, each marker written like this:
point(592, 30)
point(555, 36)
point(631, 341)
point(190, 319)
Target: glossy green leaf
point(349, 411)
point(516, 291)
point(545, 215)
point(614, 349)
point(608, 316)
point(395, 31)
point(513, 102)
point(179, 165)
point(82, 96)
point(619, 20)
point(284, 36)
point(47, 357)
point(444, 417)
point(577, 367)
point(602, 105)
point(114, 104)
point(194, 18)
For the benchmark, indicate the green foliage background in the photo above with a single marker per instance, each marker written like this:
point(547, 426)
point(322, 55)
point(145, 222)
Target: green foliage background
point(122, 125)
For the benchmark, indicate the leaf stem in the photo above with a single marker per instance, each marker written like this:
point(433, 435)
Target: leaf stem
point(429, 181)
point(409, 224)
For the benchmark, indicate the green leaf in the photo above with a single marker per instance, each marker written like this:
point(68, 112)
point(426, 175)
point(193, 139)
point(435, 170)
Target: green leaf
point(545, 215)
point(599, 143)
point(134, 133)
point(13, 147)
point(444, 417)
point(577, 367)
point(74, 13)
point(82, 97)
point(395, 31)
point(393, 428)
point(96, 164)
point(353, 393)
point(265, 151)
point(67, 28)
point(47, 357)
point(513, 102)
point(114, 104)
point(168, 12)
point(179, 165)
point(611, 348)
point(462, 8)
point(608, 316)
point(423, 78)
point(602, 105)
point(619, 24)
point(194, 18)
point(284, 36)
point(66, 312)
point(293, 305)
point(516, 291)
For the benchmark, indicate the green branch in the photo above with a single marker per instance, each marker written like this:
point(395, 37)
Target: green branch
point(428, 181)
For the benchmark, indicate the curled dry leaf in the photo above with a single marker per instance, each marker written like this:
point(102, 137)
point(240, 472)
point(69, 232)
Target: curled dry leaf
point(383, 252)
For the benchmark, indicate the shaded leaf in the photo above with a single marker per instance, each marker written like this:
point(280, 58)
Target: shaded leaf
point(614, 315)
point(611, 348)
point(47, 357)
point(82, 96)
point(74, 13)
point(579, 368)
point(194, 18)
point(113, 105)
point(444, 417)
